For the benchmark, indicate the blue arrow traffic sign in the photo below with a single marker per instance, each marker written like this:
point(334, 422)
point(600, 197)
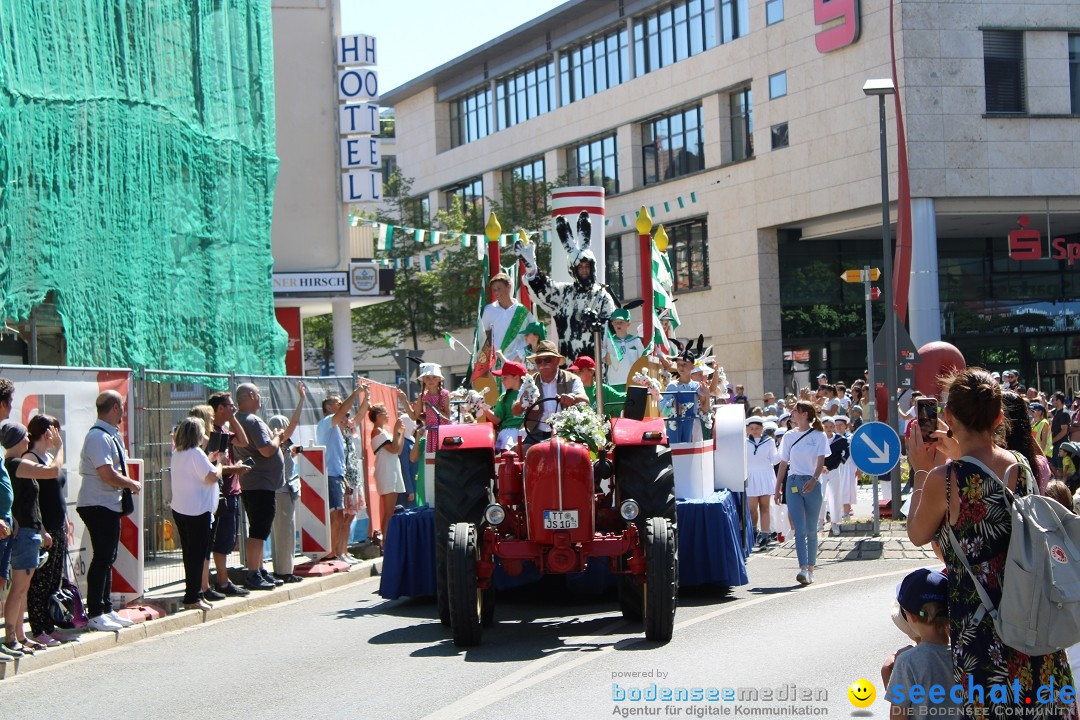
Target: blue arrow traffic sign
point(875, 448)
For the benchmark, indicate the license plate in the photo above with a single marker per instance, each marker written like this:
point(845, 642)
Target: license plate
point(560, 519)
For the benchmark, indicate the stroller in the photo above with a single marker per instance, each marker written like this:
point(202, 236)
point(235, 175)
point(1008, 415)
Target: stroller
point(1070, 461)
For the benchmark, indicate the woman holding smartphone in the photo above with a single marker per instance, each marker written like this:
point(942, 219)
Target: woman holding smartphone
point(802, 461)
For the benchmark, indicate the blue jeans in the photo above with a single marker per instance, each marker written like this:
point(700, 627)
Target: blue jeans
point(803, 510)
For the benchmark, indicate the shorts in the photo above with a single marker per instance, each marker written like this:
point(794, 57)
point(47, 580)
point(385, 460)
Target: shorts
point(5, 558)
point(336, 492)
point(25, 548)
point(260, 506)
point(226, 524)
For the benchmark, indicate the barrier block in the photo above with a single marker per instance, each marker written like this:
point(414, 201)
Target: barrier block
point(128, 572)
point(314, 509)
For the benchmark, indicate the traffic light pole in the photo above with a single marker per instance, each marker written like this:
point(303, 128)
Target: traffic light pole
point(873, 387)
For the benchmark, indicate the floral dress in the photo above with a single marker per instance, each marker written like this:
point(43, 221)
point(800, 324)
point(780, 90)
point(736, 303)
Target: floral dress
point(983, 530)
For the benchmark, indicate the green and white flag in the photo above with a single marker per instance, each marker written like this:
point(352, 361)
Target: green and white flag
point(386, 236)
point(453, 342)
point(418, 235)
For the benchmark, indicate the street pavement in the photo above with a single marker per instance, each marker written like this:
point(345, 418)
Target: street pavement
point(347, 653)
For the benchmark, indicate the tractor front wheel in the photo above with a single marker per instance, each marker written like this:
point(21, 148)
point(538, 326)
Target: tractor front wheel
point(465, 598)
point(661, 579)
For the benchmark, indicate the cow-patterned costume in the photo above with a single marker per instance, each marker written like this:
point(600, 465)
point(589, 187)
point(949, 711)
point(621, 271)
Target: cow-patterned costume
point(570, 303)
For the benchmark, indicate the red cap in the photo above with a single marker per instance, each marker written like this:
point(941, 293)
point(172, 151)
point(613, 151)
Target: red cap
point(510, 368)
point(583, 363)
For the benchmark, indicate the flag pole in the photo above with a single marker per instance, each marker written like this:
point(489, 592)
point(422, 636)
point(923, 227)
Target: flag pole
point(644, 228)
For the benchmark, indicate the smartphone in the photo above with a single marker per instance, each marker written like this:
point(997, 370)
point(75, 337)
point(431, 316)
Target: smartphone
point(248, 462)
point(218, 442)
point(926, 414)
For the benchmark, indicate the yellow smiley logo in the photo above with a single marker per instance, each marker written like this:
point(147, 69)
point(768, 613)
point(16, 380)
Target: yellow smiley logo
point(861, 693)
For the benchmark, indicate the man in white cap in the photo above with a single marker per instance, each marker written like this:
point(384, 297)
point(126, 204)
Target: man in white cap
point(505, 319)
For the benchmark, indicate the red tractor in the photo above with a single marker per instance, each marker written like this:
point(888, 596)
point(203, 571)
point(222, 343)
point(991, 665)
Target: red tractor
point(551, 508)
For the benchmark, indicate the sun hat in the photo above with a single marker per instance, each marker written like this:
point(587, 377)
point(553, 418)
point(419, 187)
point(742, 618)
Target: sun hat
point(755, 419)
point(545, 348)
point(430, 370)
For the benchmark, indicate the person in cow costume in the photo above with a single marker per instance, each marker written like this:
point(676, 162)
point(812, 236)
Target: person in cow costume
point(573, 304)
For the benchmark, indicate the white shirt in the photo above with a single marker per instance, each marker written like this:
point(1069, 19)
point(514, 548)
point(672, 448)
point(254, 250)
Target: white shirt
point(550, 390)
point(191, 494)
point(618, 370)
point(497, 319)
point(802, 455)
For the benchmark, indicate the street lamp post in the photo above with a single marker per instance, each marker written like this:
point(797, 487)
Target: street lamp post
point(881, 88)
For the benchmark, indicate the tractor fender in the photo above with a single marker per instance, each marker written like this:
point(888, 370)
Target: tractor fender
point(467, 436)
point(626, 432)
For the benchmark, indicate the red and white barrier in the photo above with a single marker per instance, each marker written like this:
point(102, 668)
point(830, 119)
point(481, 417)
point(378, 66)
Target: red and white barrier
point(128, 573)
point(314, 510)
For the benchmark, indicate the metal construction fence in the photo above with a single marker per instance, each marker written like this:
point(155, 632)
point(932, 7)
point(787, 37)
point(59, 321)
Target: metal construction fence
point(161, 400)
point(156, 401)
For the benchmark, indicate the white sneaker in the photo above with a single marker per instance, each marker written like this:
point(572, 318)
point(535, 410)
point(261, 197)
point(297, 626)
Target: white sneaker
point(809, 577)
point(121, 621)
point(103, 623)
point(802, 578)
point(835, 529)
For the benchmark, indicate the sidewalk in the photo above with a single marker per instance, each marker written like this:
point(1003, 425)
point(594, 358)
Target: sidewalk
point(855, 541)
point(162, 612)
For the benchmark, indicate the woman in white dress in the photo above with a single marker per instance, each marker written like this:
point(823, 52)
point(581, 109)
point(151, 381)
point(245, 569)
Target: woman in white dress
point(836, 493)
point(761, 455)
point(847, 470)
point(386, 447)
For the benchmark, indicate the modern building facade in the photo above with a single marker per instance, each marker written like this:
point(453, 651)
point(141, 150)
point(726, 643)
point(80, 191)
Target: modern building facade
point(744, 126)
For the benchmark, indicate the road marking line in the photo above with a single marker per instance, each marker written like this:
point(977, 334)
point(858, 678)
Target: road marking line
point(529, 676)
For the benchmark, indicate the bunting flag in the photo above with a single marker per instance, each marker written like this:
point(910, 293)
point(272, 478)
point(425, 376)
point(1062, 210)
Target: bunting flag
point(627, 221)
point(386, 236)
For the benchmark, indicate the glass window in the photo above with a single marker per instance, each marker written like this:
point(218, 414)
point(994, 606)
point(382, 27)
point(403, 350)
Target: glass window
point(389, 164)
point(774, 11)
point(471, 193)
point(778, 85)
point(779, 136)
point(688, 253)
point(742, 125)
point(527, 187)
point(672, 145)
point(524, 94)
point(595, 163)
point(1003, 66)
point(613, 264)
point(1074, 72)
point(469, 119)
point(599, 63)
point(681, 30)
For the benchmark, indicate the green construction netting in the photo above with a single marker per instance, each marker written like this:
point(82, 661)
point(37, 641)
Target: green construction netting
point(137, 170)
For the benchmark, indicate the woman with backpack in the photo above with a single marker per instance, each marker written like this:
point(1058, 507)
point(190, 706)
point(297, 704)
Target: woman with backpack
point(965, 498)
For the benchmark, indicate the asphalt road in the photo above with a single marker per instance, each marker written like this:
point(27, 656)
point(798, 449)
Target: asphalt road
point(348, 653)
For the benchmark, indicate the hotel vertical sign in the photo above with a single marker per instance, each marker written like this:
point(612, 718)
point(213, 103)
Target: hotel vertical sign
point(358, 119)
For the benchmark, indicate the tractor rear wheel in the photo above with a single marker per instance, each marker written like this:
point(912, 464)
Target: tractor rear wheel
point(466, 599)
point(661, 579)
point(462, 479)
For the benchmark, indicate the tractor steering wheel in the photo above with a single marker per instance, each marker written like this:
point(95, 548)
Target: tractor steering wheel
point(534, 427)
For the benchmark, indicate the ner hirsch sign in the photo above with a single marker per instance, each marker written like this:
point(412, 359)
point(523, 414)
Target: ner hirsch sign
point(324, 283)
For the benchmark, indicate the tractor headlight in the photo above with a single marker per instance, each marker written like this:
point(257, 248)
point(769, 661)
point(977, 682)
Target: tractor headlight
point(494, 514)
point(629, 509)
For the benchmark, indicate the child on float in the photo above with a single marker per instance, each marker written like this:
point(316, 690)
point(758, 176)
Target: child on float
point(682, 421)
point(621, 350)
point(534, 332)
point(502, 415)
point(923, 599)
point(761, 455)
point(432, 407)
